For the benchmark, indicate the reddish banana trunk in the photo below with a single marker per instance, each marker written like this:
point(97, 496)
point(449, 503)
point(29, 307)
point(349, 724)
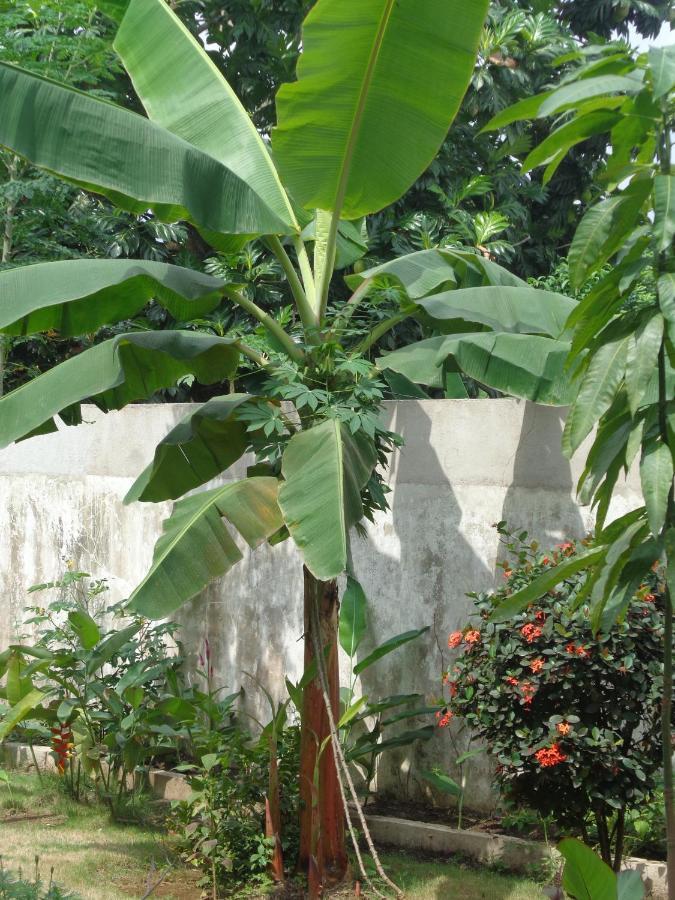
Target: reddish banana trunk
point(322, 830)
point(273, 816)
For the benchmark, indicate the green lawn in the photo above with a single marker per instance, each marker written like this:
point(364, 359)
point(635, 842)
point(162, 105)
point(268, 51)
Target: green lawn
point(101, 860)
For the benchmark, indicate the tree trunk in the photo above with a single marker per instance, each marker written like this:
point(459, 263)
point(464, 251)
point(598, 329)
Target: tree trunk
point(322, 820)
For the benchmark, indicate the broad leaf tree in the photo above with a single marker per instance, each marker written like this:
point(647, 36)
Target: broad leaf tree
point(361, 122)
point(622, 356)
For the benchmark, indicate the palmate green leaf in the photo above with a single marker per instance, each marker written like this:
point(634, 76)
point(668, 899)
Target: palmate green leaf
point(126, 368)
point(183, 91)
point(559, 142)
point(569, 95)
point(656, 478)
point(426, 271)
point(545, 582)
point(77, 296)
point(664, 210)
point(632, 575)
point(204, 444)
point(521, 365)
point(365, 118)
point(134, 162)
point(598, 388)
point(642, 359)
point(324, 469)
point(609, 572)
point(603, 230)
point(666, 291)
point(517, 112)
point(662, 66)
point(196, 547)
point(522, 310)
point(352, 625)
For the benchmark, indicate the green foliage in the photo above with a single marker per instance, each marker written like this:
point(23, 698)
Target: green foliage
point(365, 724)
point(221, 827)
point(107, 691)
point(16, 887)
point(569, 715)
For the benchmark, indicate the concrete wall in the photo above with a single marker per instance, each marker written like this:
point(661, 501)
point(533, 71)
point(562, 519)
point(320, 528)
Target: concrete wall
point(465, 465)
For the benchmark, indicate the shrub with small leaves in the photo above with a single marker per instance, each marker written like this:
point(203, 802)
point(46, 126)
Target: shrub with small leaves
point(571, 717)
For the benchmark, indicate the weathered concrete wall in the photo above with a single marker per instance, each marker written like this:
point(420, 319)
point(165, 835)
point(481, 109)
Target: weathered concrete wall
point(465, 465)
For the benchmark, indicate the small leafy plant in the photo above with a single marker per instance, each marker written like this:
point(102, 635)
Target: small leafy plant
point(570, 716)
point(16, 887)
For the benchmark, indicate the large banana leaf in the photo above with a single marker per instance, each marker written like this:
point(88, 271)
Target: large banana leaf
point(200, 447)
point(424, 272)
point(126, 368)
point(523, 310)
point(521, 365)
point(417, 362)
point(134, 162)
point(324, 469)
point(77, 296)
point(379, 82)
point(196, 546)
point(183, 91)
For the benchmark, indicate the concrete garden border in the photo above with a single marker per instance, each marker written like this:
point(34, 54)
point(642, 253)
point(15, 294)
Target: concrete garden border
point(513, 853)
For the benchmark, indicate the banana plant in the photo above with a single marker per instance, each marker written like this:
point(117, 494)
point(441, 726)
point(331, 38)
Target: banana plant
point(378, 84)
point(622, 353)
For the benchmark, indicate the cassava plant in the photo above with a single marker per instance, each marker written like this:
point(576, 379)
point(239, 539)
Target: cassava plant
point(378, 84)
point(623, 341)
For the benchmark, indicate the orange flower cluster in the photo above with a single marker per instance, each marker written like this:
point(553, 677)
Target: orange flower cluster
point(62, 745)
point(512, 681)
point(537, 665)
point(472, 637)
point(528, 690)
point(531, 632)
point(550, 756)
point(540, 615)
point(563, 728)
point(455, 639)
point(443, 718)
point(578, 651)
point(568, 548)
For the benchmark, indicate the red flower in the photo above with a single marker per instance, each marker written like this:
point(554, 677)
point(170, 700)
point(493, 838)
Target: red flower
point(472, 637)
point(537, 665)
point(455, 639)
point(582, 652)
point(508, 573)
point(540, 615)
point(531, 632)
point(512, 681)
point(545, 561)
point(550, 756)
point(649, 598)
point(443, 718)
point(62, 745)
point(571, 648)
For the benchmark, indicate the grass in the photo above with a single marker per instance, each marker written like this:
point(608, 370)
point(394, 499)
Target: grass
point(101, 860)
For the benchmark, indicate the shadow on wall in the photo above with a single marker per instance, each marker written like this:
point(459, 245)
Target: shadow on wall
point(417, 566)
point(541, 492)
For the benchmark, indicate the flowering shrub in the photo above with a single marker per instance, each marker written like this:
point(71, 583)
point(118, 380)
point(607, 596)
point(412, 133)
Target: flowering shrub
point(571, 718)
